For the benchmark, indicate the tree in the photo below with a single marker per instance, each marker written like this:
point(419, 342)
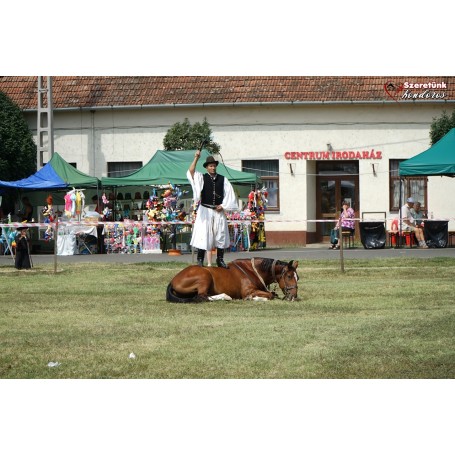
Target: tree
point(441, 126)
point(184, 136)
point(17, 148)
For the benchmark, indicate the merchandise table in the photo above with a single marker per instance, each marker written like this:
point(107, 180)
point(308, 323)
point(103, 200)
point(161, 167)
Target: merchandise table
point(73, 236)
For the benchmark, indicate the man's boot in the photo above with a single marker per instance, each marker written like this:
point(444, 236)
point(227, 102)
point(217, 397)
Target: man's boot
point(219, 258)
point(200, 257)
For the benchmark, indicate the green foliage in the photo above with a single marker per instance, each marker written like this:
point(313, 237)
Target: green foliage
point(441, 126)
point(17, 148)
point(184, 136)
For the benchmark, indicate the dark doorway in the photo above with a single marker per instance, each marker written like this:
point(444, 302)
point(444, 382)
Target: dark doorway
point(335, 181)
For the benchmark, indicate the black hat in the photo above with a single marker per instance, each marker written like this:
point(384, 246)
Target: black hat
point(210, 160)
point(22, 228)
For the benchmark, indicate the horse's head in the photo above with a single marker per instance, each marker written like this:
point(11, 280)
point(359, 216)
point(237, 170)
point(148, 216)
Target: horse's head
point(288, 280)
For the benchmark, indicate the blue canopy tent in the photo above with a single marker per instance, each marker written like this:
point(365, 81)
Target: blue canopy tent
point(56, 174)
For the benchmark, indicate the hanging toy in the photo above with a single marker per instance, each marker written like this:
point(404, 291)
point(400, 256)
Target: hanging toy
point(67, 199)
point(48, 210)
point(78, 203)
point(73, 203)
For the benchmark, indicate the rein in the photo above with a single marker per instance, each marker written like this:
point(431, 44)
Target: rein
point(260, 277)
point(246, 274)
point(274, 277)
point(257, 273)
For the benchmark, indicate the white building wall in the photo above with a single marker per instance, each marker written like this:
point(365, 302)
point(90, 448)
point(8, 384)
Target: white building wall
point(398, 130)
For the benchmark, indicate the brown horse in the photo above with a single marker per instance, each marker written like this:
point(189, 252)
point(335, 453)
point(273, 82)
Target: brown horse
point(244, 279)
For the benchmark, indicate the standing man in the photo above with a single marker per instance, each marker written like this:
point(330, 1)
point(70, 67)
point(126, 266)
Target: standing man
point(216, 195)
point(409, 224)
point(27, 211)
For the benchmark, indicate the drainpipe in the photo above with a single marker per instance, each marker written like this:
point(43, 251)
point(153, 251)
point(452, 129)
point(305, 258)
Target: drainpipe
point(92, 125)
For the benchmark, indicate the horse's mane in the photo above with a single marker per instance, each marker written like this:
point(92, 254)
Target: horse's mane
point(266, 264)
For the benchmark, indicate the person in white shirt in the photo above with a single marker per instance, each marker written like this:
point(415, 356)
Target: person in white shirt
point(216, 195)
point(409, 224)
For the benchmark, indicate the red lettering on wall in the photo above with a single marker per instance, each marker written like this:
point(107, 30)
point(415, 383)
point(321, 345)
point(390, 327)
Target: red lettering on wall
point(342, 155)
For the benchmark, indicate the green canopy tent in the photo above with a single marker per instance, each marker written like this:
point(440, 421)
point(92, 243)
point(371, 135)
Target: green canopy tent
point(439, 159)
point(56, 174)
point(171, 166)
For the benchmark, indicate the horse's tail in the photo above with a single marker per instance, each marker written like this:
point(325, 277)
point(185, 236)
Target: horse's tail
point(174, 297)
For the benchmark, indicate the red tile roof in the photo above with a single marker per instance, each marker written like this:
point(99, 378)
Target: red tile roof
point(101, 91)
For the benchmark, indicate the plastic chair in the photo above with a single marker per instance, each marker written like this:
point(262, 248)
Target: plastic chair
point(396, 239)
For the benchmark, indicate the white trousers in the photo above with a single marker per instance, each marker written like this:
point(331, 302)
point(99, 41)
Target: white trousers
point(210, 230)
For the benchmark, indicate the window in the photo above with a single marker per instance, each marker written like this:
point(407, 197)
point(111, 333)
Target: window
point(120, 169)
point(268, 171)
point(415, 187)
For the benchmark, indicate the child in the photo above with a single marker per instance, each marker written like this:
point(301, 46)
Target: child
point(22, 260)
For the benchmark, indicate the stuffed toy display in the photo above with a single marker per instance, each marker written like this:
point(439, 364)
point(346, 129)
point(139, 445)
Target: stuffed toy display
point(161, 207)
point(249, 236)
point(49, 217)
point(74, 203)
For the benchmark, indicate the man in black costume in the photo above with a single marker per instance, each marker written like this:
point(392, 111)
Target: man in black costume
point(216, 196)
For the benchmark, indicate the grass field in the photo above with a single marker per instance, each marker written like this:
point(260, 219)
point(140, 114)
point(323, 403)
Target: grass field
point(389, 318)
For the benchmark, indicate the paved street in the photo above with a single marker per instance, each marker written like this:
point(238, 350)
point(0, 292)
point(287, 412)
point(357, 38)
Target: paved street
point(311, 252)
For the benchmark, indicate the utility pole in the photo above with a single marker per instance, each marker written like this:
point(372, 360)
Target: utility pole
point(45, 129)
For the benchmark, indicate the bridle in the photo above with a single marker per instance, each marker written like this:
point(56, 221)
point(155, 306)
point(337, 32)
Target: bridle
point(287, 289)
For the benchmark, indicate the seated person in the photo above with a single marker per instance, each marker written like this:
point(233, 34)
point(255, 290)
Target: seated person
point(408, 222)
point(418, 214)
point(347, 223)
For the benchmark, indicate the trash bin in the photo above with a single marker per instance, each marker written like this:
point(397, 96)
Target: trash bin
point(372, 234)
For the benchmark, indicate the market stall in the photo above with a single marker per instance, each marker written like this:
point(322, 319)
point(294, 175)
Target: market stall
point(44, 188)
point(76, 239)
point(163, 180)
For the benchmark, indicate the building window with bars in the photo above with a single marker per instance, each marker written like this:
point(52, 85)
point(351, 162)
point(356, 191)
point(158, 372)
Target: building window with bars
point(121, 168)
point(415, 187)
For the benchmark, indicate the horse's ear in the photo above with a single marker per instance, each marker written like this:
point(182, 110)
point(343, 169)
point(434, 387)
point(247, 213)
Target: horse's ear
point(293, 264)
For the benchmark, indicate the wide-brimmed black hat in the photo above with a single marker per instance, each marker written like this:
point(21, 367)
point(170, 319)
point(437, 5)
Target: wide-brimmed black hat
point(210, 160)
point(22, 228)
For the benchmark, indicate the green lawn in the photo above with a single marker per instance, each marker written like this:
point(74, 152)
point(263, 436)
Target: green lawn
point(391, 318)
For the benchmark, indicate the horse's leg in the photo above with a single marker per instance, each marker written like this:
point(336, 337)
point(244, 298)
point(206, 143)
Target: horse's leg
point(198, 280)
point(258, 293)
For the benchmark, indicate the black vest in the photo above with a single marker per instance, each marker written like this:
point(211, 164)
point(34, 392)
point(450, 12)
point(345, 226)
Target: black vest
point(213, 190)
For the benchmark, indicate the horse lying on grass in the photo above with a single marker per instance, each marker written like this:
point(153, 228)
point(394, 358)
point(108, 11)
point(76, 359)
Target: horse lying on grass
point(245, 279)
